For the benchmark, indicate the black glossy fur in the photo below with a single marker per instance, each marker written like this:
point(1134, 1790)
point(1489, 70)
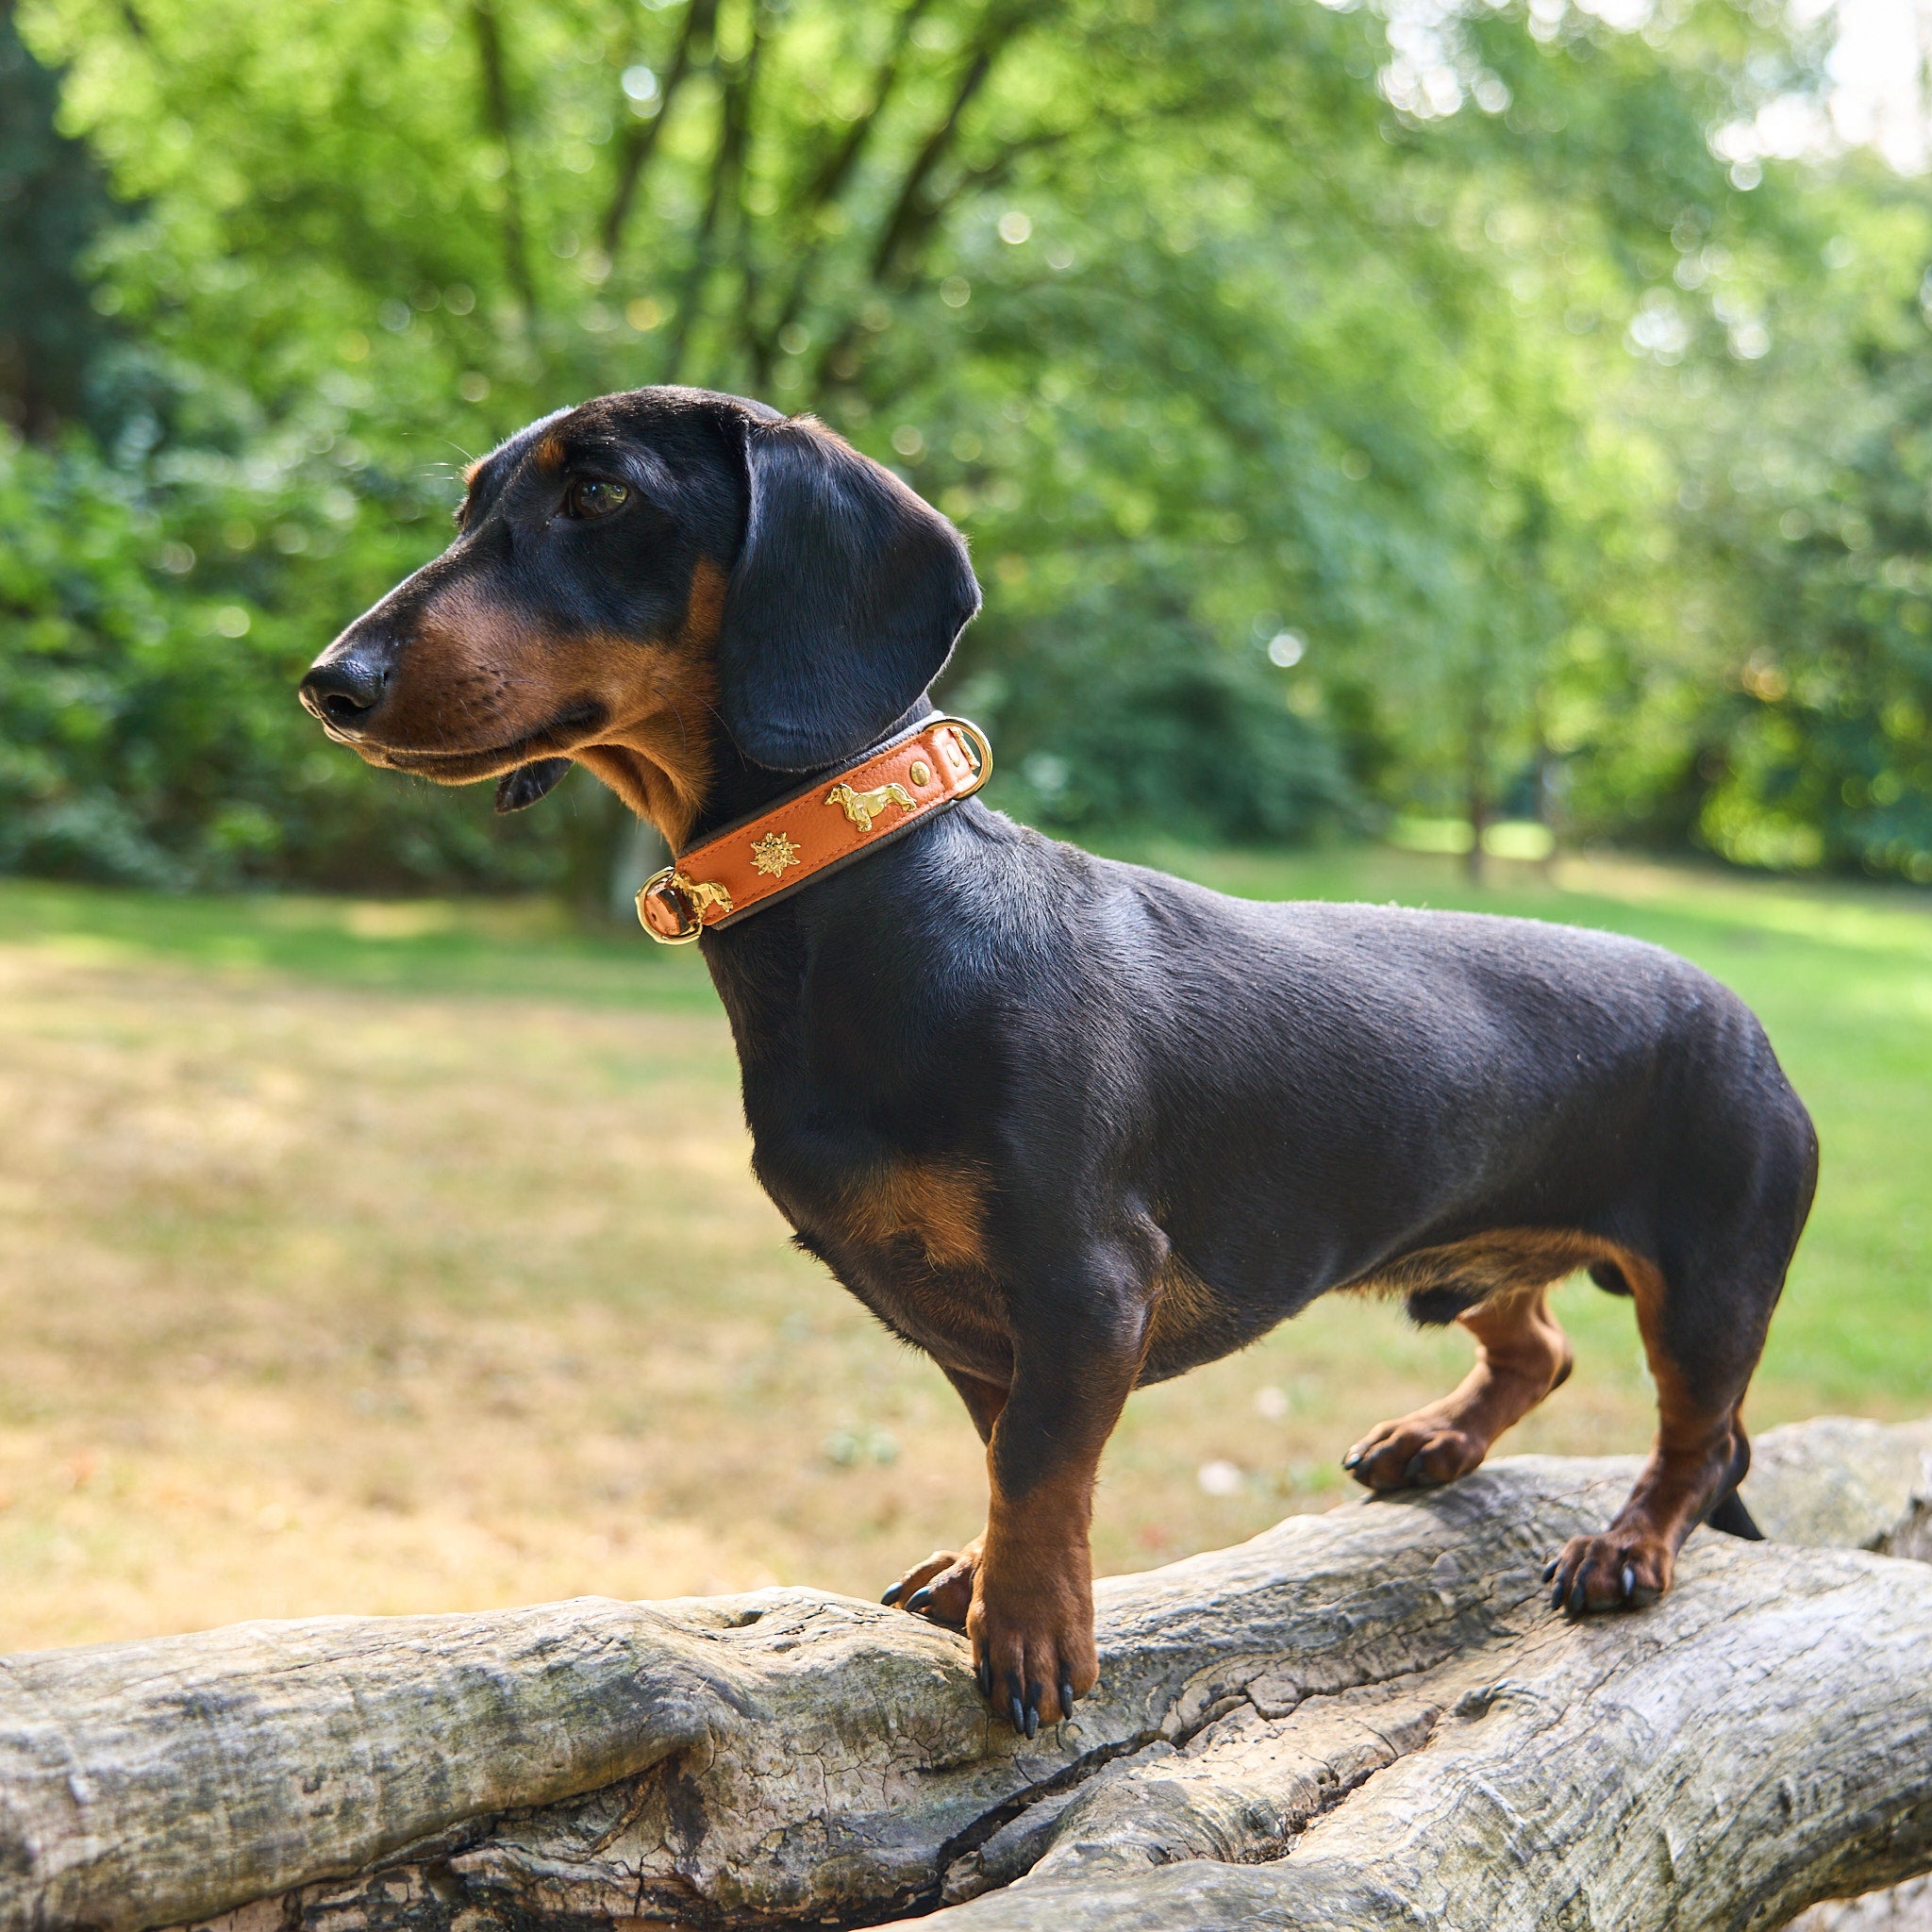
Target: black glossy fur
point(1157, 1120)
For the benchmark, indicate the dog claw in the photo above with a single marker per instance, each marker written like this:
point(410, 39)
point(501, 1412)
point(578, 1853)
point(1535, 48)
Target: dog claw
point(892, 1596)
point(1628, 1580)
point(1353, 1456)
point(1066, 1690)
point(1016, 1713)
point(920, 1597)
point(982, 1675)
point(1579, 1595)
point(1549, 1569)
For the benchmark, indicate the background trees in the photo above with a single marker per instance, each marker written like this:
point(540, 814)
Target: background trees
point(1353, 409)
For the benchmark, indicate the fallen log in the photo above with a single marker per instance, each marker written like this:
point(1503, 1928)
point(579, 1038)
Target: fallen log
point(1364, 1718)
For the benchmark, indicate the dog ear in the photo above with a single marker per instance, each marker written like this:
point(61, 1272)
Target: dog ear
point(846, 599)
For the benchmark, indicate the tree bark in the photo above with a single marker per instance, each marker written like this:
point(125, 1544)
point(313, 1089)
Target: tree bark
point(1367, 1719)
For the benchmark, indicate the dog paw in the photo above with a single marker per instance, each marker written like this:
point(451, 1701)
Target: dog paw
point(940, 1589)
point(1414, 1452)
point(1033, 1657)
point(1617, 1571)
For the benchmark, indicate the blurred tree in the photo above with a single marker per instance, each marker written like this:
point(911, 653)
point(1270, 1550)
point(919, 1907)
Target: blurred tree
point(53, 201)
point(1295, 369)
point(1771, 700)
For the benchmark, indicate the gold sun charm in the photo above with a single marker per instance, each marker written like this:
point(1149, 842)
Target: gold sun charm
point(771, 854)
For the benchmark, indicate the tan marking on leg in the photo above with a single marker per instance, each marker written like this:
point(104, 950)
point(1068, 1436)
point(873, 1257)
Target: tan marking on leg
point(1498, 1261)
point(1694, 1434)
point(1031, 1620)
point(1521, 1356)
point(946, 1576)
point(1633, 1562)
point(984, 1399)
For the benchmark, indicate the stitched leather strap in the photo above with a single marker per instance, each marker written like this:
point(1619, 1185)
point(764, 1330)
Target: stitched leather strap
point(939, 762)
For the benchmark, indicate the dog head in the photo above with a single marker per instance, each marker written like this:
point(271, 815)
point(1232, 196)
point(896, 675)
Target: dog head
point(633, 581)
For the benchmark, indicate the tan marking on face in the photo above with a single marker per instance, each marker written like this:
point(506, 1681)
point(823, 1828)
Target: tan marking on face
point(472, 471)
point(476, 677)
point(662, 768)
point(550, 455)
point(704, 607)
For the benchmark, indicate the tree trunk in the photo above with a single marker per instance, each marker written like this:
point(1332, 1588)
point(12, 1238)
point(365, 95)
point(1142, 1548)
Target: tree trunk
point(1476, 804)
point(1367, 1719)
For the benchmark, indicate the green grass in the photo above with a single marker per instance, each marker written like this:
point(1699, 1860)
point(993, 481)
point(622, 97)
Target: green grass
point(1842, 976)
point(516, 948)
point(377, 1256)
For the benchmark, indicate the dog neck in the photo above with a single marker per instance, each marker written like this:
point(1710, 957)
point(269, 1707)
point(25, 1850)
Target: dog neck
point(919, 772)
point(742, 790)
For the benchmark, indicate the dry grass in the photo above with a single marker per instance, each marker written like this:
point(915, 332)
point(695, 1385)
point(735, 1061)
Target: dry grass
point(323, 1296)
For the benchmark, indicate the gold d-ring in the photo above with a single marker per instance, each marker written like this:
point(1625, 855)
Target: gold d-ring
point(979, 745)
point(684, 900)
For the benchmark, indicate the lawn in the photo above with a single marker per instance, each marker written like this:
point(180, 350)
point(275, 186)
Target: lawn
point(386, 1256)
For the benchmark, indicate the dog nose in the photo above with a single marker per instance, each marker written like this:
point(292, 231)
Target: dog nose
point(341, 690)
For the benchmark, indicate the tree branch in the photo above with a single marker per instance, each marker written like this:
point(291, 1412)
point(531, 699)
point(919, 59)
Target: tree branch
point(910, 216)
point(640, 137)
point(932, 151)
point(500, 121)
point(827, 182)
point(734, 91)
point(1367, 1720)
point(837, 167)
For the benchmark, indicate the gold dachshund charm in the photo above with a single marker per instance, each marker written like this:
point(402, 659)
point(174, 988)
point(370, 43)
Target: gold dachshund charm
point(861, 807)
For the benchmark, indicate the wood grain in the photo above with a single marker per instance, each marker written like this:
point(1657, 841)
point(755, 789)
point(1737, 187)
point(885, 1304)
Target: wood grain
point(1364, 1718)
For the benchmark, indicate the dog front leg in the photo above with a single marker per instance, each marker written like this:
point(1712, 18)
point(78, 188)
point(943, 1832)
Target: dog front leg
point(1031, 1618)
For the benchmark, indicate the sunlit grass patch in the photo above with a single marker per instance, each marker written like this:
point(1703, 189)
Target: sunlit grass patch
point(365, 1256)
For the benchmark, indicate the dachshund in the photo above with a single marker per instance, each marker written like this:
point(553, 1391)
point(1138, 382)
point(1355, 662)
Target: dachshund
point(1068, 1126)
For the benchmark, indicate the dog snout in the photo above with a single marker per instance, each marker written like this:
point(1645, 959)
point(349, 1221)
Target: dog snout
point(347, 682)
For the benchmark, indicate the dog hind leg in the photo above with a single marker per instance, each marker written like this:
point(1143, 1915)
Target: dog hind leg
point(1703, 1327)
point(1700, 1457)
point(1703, 1312)
point(1521, 1356)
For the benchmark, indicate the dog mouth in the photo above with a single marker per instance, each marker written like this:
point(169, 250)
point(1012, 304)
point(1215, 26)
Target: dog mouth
point(450, 766)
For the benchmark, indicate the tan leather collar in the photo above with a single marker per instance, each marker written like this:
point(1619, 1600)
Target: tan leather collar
point(915, 777)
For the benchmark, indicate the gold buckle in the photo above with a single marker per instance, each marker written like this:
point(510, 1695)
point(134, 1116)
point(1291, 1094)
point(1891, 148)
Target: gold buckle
point(680, 903)
point(977, 744)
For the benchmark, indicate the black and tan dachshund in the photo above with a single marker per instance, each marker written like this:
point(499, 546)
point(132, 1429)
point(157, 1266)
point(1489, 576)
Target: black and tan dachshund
point(1073, 1127)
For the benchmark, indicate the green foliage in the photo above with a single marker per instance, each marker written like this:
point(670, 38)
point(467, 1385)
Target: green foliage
point(52, 201)
point(1772, 705)
point(146, 731)
point(1215, 323)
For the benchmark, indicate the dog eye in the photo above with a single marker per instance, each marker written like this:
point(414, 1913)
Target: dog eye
point(589, 497)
